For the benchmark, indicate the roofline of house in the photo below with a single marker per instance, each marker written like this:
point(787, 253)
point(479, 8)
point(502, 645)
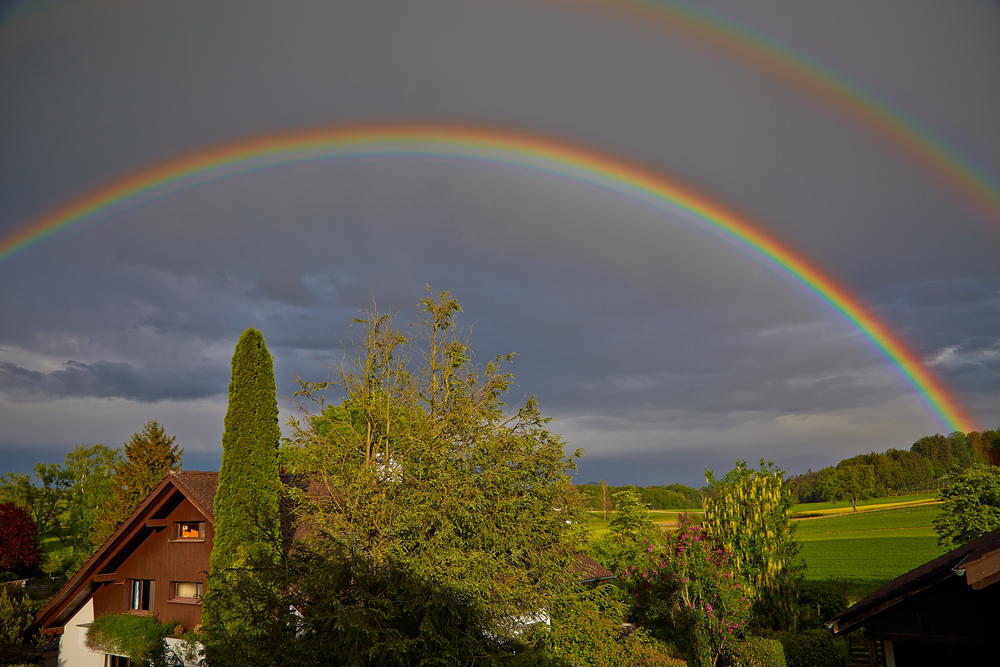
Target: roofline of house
point(74, 591)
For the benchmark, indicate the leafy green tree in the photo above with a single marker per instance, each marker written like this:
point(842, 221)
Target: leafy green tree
point(44, 500)
point(92, 470)
point(150, 455)
point(17, 646)
point(247, 499)
point(63, 500)
point(854, 483)
point(630, 520)
point(604, 498)
point(971, 507)
point(630, 534)
point(440, 521)
point(749, 514)
point(826, 484)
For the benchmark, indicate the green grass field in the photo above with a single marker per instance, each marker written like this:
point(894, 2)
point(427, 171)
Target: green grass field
point(810, 509)
point(868, 547)
point(874, 546)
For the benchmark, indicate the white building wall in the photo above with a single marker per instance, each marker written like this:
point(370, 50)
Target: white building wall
point(72, 650)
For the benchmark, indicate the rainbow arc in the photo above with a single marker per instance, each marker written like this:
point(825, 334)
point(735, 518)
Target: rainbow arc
point(520, 151)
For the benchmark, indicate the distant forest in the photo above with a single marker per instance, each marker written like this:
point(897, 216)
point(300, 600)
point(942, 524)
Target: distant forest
point(674, 496)
point(880, 474)
point(931, 458)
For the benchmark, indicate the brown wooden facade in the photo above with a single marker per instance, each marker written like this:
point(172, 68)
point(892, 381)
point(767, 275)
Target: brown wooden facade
point(155, 563)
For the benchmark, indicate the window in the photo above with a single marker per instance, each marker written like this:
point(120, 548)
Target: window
point(142, 595)
point(185, 591)
point(191, 530)
point(117, 661)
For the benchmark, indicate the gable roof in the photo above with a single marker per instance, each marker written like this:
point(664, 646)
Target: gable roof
point(978, 562)
point(197, 487)
point(589, 570)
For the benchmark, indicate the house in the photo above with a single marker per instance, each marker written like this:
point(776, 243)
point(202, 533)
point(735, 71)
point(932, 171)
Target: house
point(944, 612)
point(155, 563)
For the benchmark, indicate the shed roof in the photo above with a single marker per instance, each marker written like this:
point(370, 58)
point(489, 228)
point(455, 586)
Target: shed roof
point(978, 562)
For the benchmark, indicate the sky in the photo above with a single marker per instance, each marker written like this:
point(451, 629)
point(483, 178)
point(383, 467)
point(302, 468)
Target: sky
point(863, 136)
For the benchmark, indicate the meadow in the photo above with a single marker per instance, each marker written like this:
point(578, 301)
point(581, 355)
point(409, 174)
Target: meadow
point(823, 509)
point(873, 546)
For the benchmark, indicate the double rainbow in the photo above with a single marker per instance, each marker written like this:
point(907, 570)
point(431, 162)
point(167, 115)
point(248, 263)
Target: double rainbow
point(888, 123)
point(502, 148)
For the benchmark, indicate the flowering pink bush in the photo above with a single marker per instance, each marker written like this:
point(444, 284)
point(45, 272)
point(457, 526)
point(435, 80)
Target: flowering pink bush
point(686, 593)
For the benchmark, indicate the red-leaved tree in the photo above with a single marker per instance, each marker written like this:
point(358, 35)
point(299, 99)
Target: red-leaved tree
point(19, 551)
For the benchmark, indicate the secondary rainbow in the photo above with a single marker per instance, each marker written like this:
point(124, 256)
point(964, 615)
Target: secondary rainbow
point(890, 124)
point(501, 148)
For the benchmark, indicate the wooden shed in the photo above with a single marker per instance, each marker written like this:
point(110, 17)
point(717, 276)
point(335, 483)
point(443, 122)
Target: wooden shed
point(945, 612)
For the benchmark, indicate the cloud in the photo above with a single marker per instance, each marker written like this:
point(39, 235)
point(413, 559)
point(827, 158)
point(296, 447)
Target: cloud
point(110, 379)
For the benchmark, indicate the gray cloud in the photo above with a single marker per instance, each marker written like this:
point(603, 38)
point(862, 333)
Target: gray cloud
point(646, 336)
point(108, 379)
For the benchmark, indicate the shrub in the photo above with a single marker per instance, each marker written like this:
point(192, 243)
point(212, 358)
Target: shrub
point(140, 638)
point(689, 595)
point(819, 601)
point(814, 648)
point(17, 611)
point(588, 631)
point(757, 652)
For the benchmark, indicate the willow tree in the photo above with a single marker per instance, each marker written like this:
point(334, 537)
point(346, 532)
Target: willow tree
point(247, 499)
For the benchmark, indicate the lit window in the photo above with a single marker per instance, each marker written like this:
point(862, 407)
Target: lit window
point(191, 530)
point(142, 595)
point(187, 589)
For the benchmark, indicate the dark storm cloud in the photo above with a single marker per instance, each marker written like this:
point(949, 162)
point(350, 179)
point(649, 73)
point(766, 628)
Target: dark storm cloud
point(109, 379)
point(657, 345)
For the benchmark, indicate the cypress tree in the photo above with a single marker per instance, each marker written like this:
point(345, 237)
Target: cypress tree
point(246, 501)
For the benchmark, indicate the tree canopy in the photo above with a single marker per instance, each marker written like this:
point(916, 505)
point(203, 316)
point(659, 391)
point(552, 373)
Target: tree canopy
point(748, 512)
point(150, 455)
point(442, 527)
point(247, 523)
point(971, 507)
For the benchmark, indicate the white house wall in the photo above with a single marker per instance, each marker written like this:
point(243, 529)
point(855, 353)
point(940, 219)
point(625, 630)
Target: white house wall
point(72, 650)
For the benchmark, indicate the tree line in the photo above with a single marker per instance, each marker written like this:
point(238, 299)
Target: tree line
point(881, 474)
point(66, 511)
point(600, 497)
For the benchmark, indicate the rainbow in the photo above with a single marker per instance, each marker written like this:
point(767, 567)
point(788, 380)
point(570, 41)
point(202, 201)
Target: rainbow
point(499, 148)
point(892, 125)
point(888, 123)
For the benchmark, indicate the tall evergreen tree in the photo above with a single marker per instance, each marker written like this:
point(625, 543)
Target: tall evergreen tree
point(150, 455)
point(246, 502)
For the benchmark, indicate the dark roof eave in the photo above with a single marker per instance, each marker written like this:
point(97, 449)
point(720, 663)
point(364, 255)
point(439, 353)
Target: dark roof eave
point(975, 553)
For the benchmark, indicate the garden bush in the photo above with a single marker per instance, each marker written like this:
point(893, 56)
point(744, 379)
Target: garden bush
point(17, 611)
point(139, 638)
point(819, 601)
point(687, 594)
point(757, 652)
point(814, 648)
